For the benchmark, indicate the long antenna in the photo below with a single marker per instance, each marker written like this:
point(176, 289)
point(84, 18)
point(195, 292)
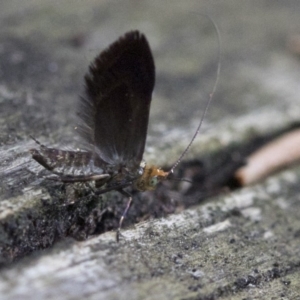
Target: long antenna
point(209, 98)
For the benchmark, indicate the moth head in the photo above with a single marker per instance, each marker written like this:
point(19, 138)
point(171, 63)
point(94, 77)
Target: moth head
point(150, 177)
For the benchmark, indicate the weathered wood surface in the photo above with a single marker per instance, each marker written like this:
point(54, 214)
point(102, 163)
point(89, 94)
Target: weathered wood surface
point(241, 245)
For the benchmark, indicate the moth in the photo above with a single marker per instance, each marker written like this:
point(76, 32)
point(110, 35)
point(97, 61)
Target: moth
point(114, 113)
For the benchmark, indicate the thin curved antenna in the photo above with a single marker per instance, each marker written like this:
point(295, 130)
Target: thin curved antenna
point(208, 101)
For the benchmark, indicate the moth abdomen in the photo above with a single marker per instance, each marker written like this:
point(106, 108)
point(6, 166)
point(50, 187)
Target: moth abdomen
point(64, 162)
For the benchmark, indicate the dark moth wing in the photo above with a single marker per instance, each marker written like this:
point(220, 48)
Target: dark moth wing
point(115, 108)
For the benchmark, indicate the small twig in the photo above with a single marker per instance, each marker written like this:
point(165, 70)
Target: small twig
point(276, 155)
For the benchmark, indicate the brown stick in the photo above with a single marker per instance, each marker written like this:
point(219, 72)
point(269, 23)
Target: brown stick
point(277, 154)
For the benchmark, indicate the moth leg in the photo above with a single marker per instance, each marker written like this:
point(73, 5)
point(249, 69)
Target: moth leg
point(80, 178)
point(118, 233)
